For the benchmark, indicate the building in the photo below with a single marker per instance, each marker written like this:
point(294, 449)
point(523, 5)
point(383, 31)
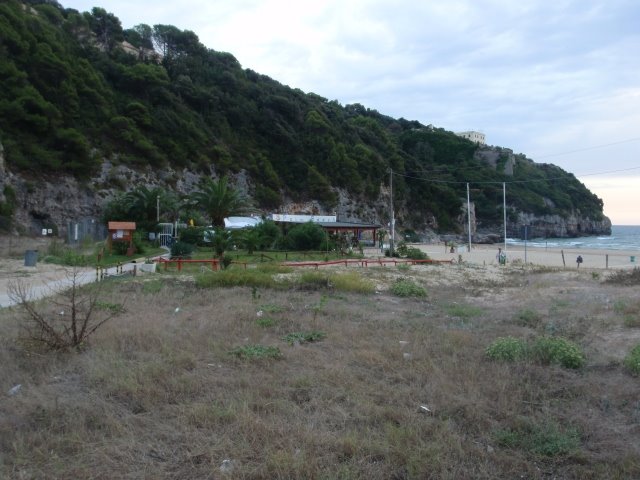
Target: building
point(476, 137)
point(366, 232)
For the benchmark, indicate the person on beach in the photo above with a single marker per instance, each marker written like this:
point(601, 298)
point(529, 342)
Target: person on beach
point(579, 261)
point(501, 257)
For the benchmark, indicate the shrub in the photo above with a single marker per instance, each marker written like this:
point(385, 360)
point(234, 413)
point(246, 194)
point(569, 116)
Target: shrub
point(507, 349)
point(236, 278)
point(546, 439)
point(78, 314)
point(415, 254)
point(352, 282)
point(557, 350)
point(404, 287)
point(182, 249)
point(307, 236)
point(193, 235)
point(632, 360)
point(302, 337)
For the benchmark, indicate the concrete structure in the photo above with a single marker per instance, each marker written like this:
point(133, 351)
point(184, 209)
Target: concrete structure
point(476, 137)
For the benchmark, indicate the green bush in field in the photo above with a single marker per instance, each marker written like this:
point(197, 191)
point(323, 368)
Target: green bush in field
point(302, 337)
point(403, 287)
point(181, 249)
point(557, 350)
point(236, 278)
point(508, 349)
point(632, 360)
point(547, 439)
point(545, 350)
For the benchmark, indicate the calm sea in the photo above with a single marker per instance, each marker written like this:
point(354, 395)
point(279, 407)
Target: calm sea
point(623, 237)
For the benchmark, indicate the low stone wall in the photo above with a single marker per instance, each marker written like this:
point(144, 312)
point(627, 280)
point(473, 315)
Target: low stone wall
point(15, 246)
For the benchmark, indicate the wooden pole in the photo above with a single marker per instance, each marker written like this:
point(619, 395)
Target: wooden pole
point(563, 263)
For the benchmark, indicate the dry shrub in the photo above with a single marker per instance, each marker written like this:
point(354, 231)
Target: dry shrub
point(65, 320)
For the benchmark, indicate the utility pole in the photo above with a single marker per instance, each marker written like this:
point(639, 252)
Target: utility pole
point(392, 237)
point(157, 208)
point(504, 213)
point(469, 216)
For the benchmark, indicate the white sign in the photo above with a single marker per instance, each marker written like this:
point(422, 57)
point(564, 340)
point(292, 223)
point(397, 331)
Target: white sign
point(281, 217)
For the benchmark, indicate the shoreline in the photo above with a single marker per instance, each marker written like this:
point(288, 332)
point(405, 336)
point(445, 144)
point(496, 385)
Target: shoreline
point(484, 254)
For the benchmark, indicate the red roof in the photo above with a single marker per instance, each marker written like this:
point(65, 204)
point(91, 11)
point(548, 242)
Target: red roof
point(122, 225)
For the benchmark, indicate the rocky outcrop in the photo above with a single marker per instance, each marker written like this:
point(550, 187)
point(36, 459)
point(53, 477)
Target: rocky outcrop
point(56, 201)
point(555, 226)
point(500, 159)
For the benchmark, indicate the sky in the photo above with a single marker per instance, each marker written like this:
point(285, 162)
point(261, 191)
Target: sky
point(557, 81)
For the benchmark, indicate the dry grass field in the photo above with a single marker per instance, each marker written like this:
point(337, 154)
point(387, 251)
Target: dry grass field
point(202, 382)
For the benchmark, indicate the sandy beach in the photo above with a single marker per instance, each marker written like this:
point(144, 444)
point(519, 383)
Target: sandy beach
point(551, 257)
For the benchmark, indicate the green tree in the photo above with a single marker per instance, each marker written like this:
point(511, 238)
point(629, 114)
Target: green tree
point(307, 236)
point(219, 200)
point(141, 205)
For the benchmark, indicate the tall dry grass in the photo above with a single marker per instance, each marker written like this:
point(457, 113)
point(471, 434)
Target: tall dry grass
point(157, 395)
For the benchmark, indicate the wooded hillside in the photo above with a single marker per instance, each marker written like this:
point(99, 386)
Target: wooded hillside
point(71, 97)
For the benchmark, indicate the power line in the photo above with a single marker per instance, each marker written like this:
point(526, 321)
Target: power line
point(490, 182)
point(593, 147)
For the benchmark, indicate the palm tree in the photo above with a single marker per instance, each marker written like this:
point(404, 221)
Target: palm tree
point(142, 204)
point(219, 200)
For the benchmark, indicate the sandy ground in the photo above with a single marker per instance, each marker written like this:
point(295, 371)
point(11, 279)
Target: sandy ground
point(44, 277)
point(551, 257)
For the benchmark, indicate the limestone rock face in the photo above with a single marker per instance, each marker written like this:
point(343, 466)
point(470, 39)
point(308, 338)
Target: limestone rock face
point(55, 201)
point(551, 226)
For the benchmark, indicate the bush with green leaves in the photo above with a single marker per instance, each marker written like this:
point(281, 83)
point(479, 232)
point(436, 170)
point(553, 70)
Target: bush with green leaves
point(544, 350)
point(557, 350)
point(193, 235)
point(181, 249)
point(404, 287)
point(303, 337)
point(632, 360)
point(306, 236)
point(547, 439)
point(507, 349)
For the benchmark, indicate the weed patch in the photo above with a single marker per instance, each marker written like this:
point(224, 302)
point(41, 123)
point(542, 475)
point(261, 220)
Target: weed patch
point(547, 439)
point(558, 351)
point(303, 337)
point(266, 322)
point(632, 360)
point(507, 349)
point(544, 350)
point(464, 311)
point(624, 277)
point(236, 278)
point(404, 287)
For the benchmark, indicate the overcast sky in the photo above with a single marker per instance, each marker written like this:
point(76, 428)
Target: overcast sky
point(556, 80)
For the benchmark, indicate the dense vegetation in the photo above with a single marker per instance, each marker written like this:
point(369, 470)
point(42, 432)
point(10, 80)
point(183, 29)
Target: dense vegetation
point(71, 96)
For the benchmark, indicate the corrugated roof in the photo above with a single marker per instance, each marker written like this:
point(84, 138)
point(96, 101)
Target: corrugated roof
point(348, 225)
point(122, 225)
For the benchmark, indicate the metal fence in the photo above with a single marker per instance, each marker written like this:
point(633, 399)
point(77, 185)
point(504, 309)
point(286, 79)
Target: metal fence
point(85, 229)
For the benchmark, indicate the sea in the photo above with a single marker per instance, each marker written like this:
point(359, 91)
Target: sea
point(623, 237)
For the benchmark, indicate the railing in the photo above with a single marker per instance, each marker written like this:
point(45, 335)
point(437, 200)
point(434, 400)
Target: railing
point(215, 263)
point(363, 262)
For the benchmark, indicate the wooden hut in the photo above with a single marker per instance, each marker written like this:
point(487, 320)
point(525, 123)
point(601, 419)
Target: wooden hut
point(121, 232)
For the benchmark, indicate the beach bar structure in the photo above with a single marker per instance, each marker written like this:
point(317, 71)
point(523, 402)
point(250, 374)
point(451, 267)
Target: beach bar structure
point(330, 224)
point(121, 232)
